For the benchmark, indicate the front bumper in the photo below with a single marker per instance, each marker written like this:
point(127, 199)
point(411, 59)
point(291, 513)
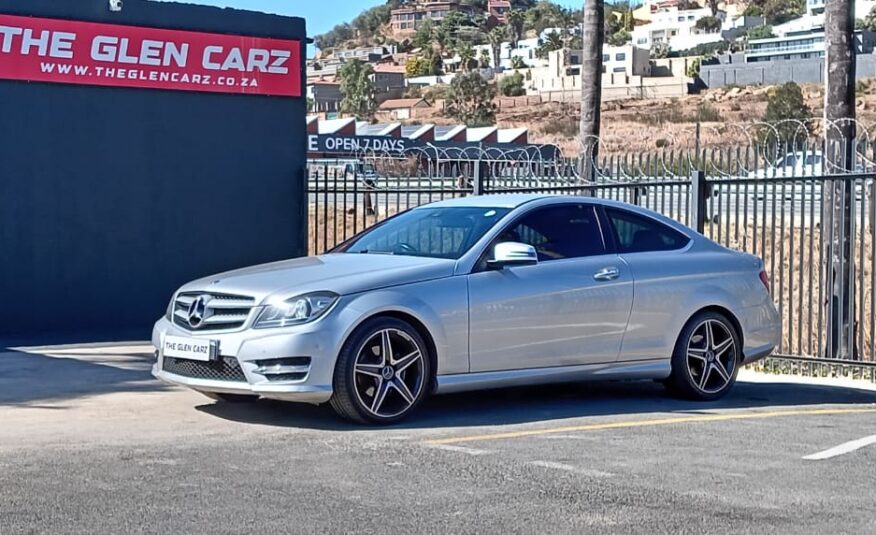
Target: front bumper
point(252, 349)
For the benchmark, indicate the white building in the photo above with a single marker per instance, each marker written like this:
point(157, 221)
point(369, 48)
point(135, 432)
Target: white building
point(805, 46)
point(862, 7)
point(621, 65)
point(677, 28)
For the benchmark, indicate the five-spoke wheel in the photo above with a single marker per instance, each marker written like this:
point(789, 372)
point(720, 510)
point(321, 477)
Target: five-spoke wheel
point(706, 358)
point(383, 372)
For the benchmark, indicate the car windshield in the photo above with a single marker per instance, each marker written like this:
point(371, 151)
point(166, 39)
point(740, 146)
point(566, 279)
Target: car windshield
point(431, 232)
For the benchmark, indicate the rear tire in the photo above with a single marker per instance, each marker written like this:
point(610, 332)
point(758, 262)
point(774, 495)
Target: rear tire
point(231, 398)
point(382, 374)
point(706, 359)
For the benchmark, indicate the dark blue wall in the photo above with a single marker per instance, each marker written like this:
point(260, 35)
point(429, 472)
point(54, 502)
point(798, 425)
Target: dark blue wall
point(110, 198)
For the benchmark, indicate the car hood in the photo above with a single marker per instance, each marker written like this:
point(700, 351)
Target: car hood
point(342, 273)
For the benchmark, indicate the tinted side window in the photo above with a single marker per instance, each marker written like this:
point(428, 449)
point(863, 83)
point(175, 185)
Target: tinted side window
point(637, 234)
point(556, 232)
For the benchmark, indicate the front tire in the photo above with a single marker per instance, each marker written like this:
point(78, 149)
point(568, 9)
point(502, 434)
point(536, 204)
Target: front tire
point(382, 374)
point(706, 359)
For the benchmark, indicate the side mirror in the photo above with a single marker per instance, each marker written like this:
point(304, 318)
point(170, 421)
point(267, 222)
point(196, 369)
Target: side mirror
point(513, 254)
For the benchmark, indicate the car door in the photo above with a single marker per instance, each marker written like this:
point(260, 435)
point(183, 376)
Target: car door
point(571, 308)
point(653, 252)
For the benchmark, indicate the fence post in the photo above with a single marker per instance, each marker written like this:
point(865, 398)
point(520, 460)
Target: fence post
point(698, 189)
point(478, 178)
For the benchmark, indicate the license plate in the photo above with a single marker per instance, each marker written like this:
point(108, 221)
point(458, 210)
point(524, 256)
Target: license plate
point(190, 348)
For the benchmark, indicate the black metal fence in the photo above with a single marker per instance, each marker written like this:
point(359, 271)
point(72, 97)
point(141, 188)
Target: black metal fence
point(813, 223)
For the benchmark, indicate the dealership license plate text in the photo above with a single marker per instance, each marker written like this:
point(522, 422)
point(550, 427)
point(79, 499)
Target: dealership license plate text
point(189, 348)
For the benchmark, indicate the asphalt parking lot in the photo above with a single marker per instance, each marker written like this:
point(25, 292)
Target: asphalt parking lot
point(90, 443)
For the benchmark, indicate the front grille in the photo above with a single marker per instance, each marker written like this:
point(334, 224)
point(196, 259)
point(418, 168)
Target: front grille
point(224, 369)
point(218, 311)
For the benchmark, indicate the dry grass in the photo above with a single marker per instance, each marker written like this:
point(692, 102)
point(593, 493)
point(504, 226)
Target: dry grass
point(791, 257)
point(793, 260)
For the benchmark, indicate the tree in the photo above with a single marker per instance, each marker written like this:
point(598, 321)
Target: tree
point(760, 32)
point(838, 195)
point(713, 6)
point(591, 84)
point(551, 42)
point(660, 50)
point(484, 58)
point(357, 88)
point(420, 66)
point(619, 38)
point(870, 20)
point(693, 69)
point(512, 85)
point(470, 100)
point(544, 15)
point(338, 35)
point(517, 62)
point(788, 119)
point(425, 35)
point(455, 23)
point(516, 22)
point(780, 11)
point(466, 56)
point(496, 37)
point(709, 24)
point(370, 22)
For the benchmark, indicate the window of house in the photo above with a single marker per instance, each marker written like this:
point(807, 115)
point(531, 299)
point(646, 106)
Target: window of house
point(639, 234)
point(620, 56)
point(606, 57)
point(619, 69)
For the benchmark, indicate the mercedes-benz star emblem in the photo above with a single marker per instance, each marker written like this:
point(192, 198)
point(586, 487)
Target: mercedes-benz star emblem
point(198, 311)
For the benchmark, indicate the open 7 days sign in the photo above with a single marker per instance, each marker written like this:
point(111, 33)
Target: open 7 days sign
point(73, 52)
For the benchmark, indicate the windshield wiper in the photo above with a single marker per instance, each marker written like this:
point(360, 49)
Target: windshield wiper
point(374, 251)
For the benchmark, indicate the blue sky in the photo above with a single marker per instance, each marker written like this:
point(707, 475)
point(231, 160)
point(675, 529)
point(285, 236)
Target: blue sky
point(321, 15)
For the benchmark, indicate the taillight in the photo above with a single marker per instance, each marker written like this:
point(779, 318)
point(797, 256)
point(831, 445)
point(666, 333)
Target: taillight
point(765, 280)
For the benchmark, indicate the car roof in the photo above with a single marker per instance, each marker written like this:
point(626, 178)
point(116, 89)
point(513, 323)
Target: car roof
point(505, 200)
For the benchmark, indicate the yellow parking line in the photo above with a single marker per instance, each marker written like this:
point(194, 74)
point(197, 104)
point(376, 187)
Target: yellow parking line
point(648, 423)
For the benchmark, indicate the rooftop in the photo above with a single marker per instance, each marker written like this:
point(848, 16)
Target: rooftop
point(400, 103)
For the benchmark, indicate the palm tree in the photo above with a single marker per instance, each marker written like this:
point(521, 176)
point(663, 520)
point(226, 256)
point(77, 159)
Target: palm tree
point(466, 56)
point(591, 84)
point(516, 20)
point(496, 37)
point(840, 131)
point(484, 58)
point(713, 5)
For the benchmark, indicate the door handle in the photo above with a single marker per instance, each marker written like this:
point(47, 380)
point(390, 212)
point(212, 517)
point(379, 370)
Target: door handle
point(607, 274)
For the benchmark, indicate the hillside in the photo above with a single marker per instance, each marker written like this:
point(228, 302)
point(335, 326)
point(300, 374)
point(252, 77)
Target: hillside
point(728, 117)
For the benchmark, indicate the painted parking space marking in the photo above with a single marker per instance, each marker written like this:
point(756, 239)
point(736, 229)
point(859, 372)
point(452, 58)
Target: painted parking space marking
point(459, 449)
point(570, 468)
point(646, 423)
point(842, 449)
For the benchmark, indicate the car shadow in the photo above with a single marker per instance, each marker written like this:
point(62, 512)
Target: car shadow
point(547, 403)
point(35, 377)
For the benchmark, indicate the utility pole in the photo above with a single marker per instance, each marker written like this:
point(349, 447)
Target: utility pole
point(838, 195)
point(593, 36)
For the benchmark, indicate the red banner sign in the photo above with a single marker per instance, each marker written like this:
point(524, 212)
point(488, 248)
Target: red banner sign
point(73, 52)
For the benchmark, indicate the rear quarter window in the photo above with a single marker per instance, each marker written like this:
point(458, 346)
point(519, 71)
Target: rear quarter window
point(638, 234)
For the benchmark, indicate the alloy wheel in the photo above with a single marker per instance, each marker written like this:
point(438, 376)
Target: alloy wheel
point(388, 374)
point(711, 356)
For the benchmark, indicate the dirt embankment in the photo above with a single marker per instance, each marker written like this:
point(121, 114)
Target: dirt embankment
point(727, 116)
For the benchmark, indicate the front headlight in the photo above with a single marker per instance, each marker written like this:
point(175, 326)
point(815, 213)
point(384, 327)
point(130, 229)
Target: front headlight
point(295, 311)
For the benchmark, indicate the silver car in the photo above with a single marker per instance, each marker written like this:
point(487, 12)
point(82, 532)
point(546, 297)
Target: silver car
point(475, 293)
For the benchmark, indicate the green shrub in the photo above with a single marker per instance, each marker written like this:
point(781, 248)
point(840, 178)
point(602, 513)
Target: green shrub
point(512, 85)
